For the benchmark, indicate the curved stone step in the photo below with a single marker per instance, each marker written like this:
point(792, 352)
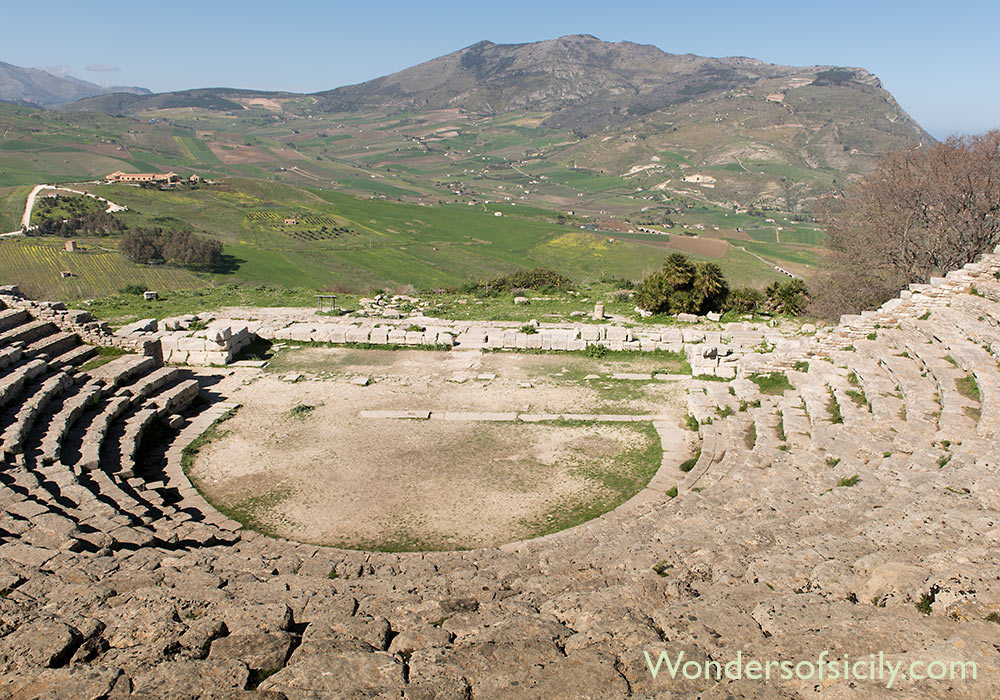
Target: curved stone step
point(52, 345)
point(73, 357)
point(122, 370)
point(27, 333)
point(12, 439)
point(13, 382)
point(61, 423)
point(135, 427)
point(10, 318)
point(93, 439)
point(11, 355)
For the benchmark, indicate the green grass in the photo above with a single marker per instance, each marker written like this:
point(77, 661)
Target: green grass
point(774, 383)
point(849, 481)
point(120, 309)
point(968, 387)
point(688, 464)
point(833, 409)
point(104, 355)
point(612, 482)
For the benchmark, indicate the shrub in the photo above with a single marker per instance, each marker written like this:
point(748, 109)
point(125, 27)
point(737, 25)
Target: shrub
point(538, 278)
point(849, 481)
point(133, 289)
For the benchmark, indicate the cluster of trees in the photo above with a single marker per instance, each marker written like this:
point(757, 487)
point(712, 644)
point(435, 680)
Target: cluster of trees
point(684, 286)
point(156, 246)
point(73, 216)
point(920, 213)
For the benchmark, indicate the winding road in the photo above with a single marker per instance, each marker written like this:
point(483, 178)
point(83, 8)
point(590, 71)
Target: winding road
point(29, 205)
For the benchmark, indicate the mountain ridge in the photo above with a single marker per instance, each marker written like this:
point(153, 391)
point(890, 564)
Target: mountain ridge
point(34, 86)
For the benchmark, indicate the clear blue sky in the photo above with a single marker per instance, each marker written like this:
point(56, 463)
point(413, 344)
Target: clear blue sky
point(939, 59)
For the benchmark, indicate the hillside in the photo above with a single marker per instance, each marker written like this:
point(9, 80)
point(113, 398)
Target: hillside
point(574, 133)
point(38, 87)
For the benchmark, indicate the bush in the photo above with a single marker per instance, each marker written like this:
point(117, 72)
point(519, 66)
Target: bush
point(744, 300)
point(682, 286)
point(539, 278)
point(133, 289)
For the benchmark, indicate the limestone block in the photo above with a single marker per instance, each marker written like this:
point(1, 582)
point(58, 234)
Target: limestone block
point(446, 339)
point(727, 371)
point(534, 341)
point(672, 336)
point(337, 335)
point(414, 338)
point(396, 336)
point(590, 333)
point(619, 334)
point(360, 335)
point(576, 344)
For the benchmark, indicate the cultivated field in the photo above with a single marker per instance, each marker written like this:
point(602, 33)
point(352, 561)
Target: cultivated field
point(37, 264)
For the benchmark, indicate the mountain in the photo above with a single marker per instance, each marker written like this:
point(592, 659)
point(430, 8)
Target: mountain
point(37, 87)
point(213, 99)
point(581, 81)
point(573, 123)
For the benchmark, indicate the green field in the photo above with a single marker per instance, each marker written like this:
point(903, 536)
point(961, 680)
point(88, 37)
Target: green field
point(384, 199)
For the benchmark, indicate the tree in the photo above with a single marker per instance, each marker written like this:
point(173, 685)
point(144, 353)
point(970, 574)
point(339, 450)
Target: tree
point(142, 246)
point(710, 283)
point(786, 297)
point(681, 286)
point(678, 270)
point(921, 212)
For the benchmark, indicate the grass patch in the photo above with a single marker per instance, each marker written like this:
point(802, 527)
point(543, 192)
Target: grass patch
point(688, 464)
point(833, 409)
point(775, 383)
point(104, 356)
point(968, 387)
point(801, 366)
point(849, 481)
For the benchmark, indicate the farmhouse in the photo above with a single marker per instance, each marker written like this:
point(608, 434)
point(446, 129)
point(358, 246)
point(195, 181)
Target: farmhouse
point(119, 176)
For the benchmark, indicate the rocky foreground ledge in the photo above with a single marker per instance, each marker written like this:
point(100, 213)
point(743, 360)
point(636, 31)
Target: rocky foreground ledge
point(852, 515)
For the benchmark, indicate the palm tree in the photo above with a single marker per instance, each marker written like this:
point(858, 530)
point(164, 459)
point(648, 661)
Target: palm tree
point(710, 283)
point(678, 271)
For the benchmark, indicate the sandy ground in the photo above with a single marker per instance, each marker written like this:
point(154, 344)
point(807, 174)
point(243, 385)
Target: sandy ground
point(329, 476)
